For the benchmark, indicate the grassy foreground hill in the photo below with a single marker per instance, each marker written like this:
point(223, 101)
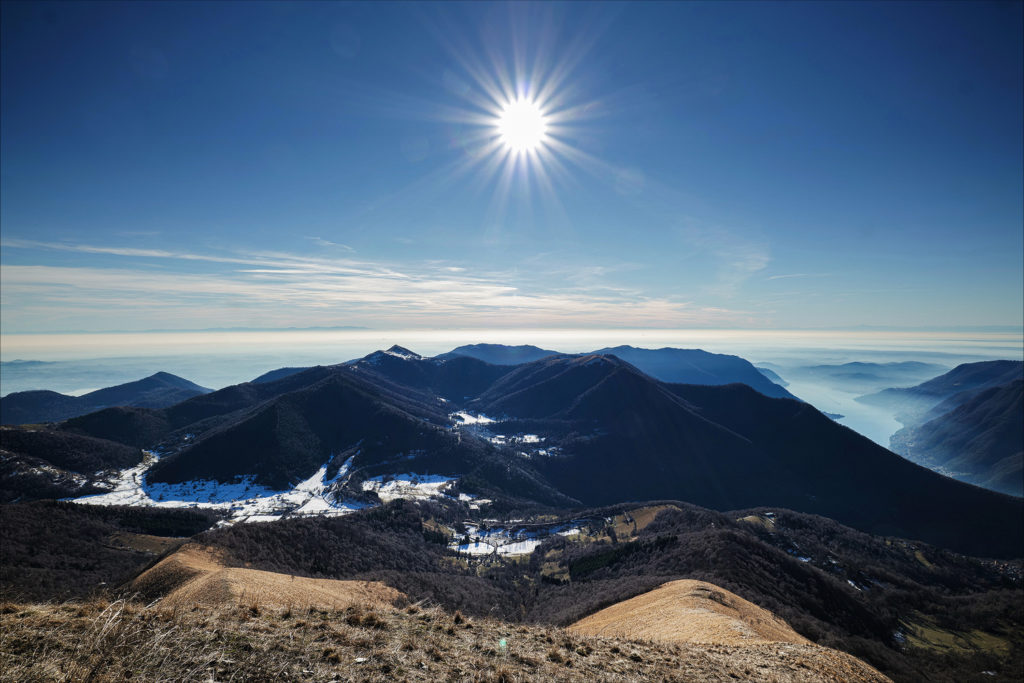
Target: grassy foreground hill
point(911, 611)
point(122, 640)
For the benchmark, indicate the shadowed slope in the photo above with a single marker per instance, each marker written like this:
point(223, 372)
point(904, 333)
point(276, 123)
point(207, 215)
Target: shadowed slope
point(825, 468)
point(913, 404)
point(500, 354)
point(156, 391)
point(980, 441)
point(622, 436)
point(695, 366)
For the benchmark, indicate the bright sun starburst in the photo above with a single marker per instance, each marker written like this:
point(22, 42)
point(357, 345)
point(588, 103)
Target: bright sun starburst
point(522, 126)
point(522, 116)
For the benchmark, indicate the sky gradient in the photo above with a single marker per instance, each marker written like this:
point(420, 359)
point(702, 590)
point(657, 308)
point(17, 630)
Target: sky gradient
point(746, 165)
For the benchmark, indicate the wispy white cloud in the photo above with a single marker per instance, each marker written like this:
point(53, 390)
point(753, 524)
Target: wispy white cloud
point(114, 251)
point(737, 258)
point(327, 243)
point(273, 286)
point(790, 276)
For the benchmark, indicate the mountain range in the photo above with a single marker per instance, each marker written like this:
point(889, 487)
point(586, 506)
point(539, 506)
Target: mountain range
point(156, 391)
point(559, 431)
point(682, 366)
point(979, 440)
point(865, 377)
point(537, 493)
point(941, 394)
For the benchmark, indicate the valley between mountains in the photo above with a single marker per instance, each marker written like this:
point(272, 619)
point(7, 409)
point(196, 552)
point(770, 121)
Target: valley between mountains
point(523, 491)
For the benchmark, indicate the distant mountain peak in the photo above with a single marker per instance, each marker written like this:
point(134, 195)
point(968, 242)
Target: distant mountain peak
point(402, 352)
point(696, 366)
point(159, 390)
point(500, 354)
point(175, 380)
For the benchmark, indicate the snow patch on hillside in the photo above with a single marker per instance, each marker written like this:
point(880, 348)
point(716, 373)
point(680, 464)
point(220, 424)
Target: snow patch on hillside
point(505, 541)
point(404, 354)
point(243, 500)
point(409, 486)
point(474, 419)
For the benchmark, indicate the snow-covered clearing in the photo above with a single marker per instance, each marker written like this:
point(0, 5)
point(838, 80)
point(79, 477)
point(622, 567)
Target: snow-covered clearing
point(243, 499)
point(474, 419)
point(410, 485)
point(505, 541)
point(526, 444)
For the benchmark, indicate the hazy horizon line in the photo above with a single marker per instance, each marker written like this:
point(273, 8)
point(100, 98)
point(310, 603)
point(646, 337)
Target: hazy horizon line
point(997, 329)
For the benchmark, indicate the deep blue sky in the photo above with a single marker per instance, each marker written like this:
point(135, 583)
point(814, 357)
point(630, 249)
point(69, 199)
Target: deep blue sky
point(193, 165)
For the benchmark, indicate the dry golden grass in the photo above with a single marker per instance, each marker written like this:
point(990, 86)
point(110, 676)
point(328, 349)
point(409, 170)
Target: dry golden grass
point(643, 516)
point(197, 576)
point(120, 640)
point(215, 623)
point(759, 520)
point(688, 611)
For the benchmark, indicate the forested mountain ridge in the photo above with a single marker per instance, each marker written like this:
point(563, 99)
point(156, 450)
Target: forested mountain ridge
point(156, 391)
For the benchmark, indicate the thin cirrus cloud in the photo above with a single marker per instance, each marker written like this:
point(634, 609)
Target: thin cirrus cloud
point(268, 287)
point(320, 241)
point(736, 258)
point(790, 276)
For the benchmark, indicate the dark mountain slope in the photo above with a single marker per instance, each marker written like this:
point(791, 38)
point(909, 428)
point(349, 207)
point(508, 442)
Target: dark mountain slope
point(148, 428)
point(772, 375)
point(623, 436)
point(971, 376)
point(236, 397)
point(500, 354)
point(840, 474)
point(44, 463)
point(980, 441)
point(455, 379)
point(546, 388)
point(137, 427)
point(643, 445)
point(28, 407)
point(274, 375)
point(614, 434)
point(286, 439)
point(694, 366)
point(174, 427)
point(62, 551)
point(156, 391)
point(910, 405)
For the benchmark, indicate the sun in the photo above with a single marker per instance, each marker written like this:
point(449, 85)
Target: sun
point(522, 126)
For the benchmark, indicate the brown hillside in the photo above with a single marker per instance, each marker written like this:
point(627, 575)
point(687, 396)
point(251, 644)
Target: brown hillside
point(197, 575)
point(120, 641)
point(688, 611)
